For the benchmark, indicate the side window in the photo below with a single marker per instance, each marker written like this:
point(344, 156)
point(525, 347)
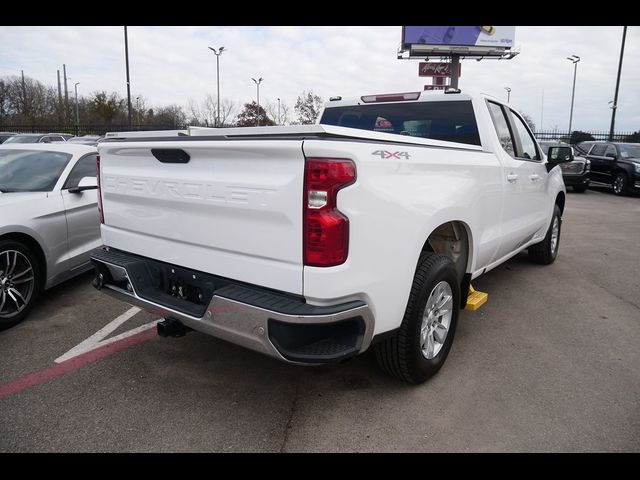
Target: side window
point(598, 150)
point(502, 128)
point(611, 150)
point(86, 167)
point(529, 151)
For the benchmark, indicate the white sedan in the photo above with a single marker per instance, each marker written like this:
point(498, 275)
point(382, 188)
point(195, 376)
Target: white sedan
point(48, 220)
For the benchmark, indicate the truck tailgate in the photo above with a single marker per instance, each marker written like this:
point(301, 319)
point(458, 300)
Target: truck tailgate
point(234, 209)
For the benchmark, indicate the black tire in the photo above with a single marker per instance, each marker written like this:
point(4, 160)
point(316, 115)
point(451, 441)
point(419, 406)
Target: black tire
point(401, 355)
point(620, 184)
point(580, 189)
point(543, 252)
point(7, 317)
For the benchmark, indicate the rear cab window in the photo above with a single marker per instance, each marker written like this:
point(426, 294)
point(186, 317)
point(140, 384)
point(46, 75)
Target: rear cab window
point(451, 121)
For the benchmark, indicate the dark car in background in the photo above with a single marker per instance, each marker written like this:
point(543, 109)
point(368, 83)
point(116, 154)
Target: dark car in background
point(616, 164)
point(36, 138)
point(577, 173)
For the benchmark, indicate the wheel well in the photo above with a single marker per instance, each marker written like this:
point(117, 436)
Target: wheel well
point(453, 240)
point(34, 246)
point(560, 202)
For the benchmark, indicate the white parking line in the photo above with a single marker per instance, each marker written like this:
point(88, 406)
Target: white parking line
point(96, 340)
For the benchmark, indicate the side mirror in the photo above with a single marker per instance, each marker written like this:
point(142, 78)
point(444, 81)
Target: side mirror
point(87, 183)
point(557, 155)
point(611, 155)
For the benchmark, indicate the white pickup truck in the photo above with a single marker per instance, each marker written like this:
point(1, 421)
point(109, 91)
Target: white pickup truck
point(313, 243)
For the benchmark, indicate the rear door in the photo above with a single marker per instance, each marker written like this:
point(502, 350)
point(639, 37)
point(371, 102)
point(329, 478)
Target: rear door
point(228, 207)
point(524, 179)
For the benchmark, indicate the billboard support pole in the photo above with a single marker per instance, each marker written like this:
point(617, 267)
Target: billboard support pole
point(455, 70)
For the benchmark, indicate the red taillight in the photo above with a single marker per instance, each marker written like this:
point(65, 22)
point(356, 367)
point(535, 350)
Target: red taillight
point(99, 190)
point(326, 229)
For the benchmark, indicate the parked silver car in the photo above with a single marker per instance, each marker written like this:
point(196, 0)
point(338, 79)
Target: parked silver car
point(48, 220)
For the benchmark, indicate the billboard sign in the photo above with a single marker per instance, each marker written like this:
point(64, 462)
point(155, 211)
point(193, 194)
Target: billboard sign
point(435, 69)
point(464, 36)
point(435, 87)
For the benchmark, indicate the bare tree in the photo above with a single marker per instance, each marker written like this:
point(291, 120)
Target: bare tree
point(30, 100)
point(205, 113)
point(228, 109)
point(308, 107)
point(5, 106)
point(272, 111)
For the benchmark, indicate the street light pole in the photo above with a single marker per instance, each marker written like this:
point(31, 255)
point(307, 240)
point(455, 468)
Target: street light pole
point(218, 53)
point(126, 58)
point(77, 114)
point(574, 59)
point(615, 98)
point(258, 82)
point(278, 111)
point(508, 94)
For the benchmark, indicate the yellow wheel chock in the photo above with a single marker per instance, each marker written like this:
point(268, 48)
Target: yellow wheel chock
point(476, 299)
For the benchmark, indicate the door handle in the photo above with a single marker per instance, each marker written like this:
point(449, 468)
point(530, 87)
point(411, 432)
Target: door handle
point(534, 177)
point(512, 177)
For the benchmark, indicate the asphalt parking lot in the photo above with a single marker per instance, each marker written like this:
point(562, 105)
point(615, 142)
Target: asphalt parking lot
point(550, 363)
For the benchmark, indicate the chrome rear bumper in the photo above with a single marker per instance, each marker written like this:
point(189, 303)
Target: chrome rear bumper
point(332, 334)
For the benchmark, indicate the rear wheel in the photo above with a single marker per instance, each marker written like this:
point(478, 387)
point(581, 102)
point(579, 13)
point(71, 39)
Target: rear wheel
point(546, 251)
point(421, 345)
point(620, 184)
point(19, 282)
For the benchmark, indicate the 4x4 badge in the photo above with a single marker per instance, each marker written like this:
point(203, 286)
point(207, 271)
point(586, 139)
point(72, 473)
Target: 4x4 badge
point(387, 154)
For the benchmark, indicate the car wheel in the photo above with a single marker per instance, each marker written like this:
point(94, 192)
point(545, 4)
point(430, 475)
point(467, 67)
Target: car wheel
point(546, 251)
point(620, 184)
point(420, 346)
point(580, 189)
point(19, 282)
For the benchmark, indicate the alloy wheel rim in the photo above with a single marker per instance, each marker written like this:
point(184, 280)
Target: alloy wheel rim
point(555, 233)
point(617, 185)
point(436, 320)
point(17, 283)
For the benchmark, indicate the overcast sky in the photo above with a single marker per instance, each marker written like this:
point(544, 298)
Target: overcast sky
point(173, 64)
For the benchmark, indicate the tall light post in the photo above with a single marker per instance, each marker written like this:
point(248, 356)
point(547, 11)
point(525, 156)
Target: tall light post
point(615, 98)
point(218, 53)
point(573, 59)
point(126, 59)
point(278, 111)
point(258, 82)
point(77, 114)
point(508, 93)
